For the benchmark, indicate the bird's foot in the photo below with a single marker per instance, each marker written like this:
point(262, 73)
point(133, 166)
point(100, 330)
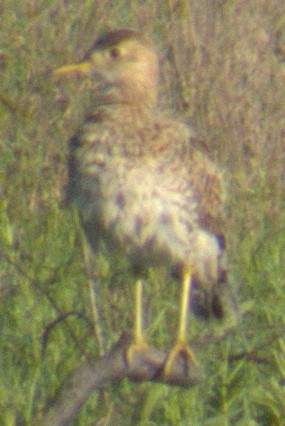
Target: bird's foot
point(138, 345)
point(180, 352)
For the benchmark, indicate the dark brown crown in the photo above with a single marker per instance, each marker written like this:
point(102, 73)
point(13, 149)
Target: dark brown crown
point(113, 38)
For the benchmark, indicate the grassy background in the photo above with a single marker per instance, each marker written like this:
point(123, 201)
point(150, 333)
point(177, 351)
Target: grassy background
point(222, 65)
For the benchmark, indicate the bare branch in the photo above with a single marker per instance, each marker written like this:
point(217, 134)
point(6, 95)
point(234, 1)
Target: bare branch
point(145, 365)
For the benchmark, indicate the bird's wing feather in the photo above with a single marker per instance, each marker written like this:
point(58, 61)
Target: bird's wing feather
point(208, 184)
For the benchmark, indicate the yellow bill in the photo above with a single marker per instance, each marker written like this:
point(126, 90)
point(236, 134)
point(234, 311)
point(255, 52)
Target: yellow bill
point(82, 68)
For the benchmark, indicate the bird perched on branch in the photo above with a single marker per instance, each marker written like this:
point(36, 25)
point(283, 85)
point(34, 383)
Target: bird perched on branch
point(140, 185)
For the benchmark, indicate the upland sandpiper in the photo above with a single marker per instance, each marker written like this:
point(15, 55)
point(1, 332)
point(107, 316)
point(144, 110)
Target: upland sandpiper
point(140, 185)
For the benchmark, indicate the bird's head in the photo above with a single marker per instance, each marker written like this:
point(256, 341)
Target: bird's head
point(121, 58)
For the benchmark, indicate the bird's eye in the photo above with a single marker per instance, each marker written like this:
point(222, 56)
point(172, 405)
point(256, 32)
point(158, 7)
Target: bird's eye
point(114, 52)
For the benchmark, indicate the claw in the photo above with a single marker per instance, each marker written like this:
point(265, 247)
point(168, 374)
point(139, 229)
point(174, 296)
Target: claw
point(138, 345)
point(180, 350)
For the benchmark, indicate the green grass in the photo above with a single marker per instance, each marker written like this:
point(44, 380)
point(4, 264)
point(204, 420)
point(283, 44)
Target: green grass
point(224, 74)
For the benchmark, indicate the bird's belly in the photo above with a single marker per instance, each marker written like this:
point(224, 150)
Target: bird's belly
point(144, 215)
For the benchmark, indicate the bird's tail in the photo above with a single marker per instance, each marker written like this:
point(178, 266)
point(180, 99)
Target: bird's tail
point(211, 292)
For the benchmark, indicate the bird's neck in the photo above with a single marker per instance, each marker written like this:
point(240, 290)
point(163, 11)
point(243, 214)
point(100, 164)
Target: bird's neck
point(140, 94)
point(137, 101)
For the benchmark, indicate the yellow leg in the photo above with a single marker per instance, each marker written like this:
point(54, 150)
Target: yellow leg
point(186, 285)
point(138, 334)
point(139, 343)
point(181, 347)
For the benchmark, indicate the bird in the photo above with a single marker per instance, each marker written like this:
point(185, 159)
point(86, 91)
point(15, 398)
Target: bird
point(142, 187)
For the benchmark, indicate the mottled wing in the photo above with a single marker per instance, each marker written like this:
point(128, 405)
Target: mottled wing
point(209, 186)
